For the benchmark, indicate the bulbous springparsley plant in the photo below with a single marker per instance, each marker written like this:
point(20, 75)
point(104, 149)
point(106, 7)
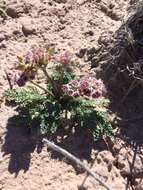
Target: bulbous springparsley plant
point(63, 96)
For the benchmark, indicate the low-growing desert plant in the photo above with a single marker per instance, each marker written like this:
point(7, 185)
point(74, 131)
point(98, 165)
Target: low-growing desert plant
point(62, 99)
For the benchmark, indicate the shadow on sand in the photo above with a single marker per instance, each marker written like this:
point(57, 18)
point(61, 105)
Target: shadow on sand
point(20, 143)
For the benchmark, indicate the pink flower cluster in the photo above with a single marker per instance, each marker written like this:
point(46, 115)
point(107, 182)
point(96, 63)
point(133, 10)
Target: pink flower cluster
point(86, 86)
point(29, 65)
point(34, 56)
point(37, 54)
point(63, 58)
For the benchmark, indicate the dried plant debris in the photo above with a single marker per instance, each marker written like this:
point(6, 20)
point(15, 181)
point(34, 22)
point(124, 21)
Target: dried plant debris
point(3, 13)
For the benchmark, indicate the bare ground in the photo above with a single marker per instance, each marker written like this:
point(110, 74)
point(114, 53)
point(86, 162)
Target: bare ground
point(69, 25)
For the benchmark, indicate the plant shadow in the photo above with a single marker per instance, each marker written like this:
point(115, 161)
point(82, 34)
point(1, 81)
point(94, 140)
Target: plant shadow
point(20, 142)
point(19, 145)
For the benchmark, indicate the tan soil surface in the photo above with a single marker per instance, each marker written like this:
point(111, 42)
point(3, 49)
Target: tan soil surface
point(69, 25)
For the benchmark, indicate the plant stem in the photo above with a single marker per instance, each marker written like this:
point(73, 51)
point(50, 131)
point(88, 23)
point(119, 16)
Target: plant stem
point(52, 82)
point(8, 78)
point(42, 88)
point(46, 74)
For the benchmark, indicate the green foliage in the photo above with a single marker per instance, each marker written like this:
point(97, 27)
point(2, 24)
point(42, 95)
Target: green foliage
point(37, 110)
point(24, 96)
point(50, 117)
point(67, 76)
point(47, 107)
point(85, 114)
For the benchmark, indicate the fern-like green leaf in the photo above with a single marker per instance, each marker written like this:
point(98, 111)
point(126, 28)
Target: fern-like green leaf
point(25, 95)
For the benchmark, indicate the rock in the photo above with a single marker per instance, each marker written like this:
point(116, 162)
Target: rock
point(17, 32)
point(120, 162)
point(110, 166)
point(139, 187)
point(124, 162)
point(59, 12)
point(81, 52)
point(60, 1)
point(99, 160)
point(134, 173)
point(80, 2)
point(104, 39)
point(28, 30)
point(3, 45)
point(28, 27)
point(114, 15)
point(89, 33)
point(102, 171)
point(2, 37)
point(12, 12)
point(116, 149)
point(110, 10)
point(107, 156)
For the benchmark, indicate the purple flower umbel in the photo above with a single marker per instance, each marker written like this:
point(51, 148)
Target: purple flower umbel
point(20, 78)
point(63, 58)
point(86, 86)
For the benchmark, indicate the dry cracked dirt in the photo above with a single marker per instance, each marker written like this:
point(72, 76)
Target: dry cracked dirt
point(69, 25)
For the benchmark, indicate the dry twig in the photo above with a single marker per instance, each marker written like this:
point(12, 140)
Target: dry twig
point(76, 160)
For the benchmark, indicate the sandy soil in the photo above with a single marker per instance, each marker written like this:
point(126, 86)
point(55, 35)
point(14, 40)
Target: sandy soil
point(69, 25)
